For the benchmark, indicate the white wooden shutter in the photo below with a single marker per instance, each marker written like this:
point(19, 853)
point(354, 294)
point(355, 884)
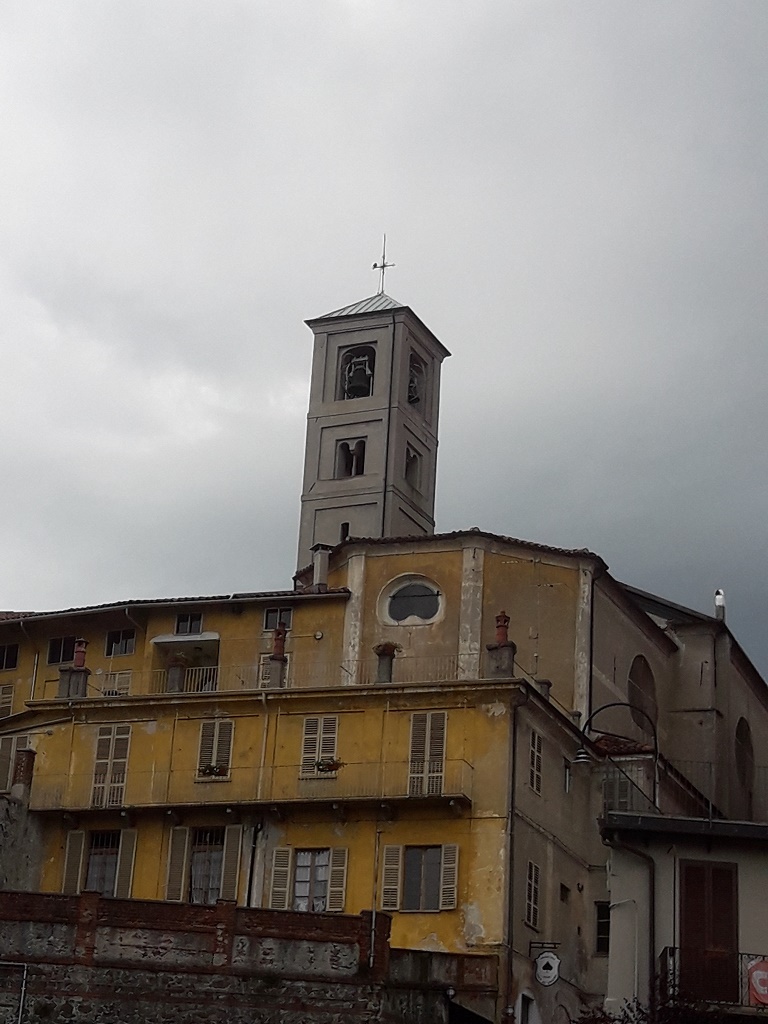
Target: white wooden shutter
point(101, 766)
point(436, 753)
point(310, 746)
point(178, 864)
point(6, 762)
point(73, 863)
point(125, 858)
point(318, 743)
point(207, 741)
point(279, 892)
point(6, 701)
point(391, 877)
point(116, 792)
point(449, 877)
point(230, 861)
point(427, 758)
point(418, 753)
point(223, 751)
point(337, 880)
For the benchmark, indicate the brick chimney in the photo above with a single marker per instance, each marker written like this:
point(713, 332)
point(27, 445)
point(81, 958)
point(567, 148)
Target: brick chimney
point(501, 654)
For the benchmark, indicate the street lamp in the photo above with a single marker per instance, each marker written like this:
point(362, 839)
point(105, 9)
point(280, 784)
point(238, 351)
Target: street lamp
point(582, 755)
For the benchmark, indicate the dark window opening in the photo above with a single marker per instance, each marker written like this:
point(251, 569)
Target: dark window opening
point(414, 599)
point(120, 641)
point(61, 649)
point(421, 877)
point(343, 532)
point(189, 624)
point(205, 865)
point(602, 928)
point(412, 467)
point(565, 893)
point(275, 616)
point(9, 656)
point(416, 379)
point(350, 459)
point(357, 372)
point(103, 851)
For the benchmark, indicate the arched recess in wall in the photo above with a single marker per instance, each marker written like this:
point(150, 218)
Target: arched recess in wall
point(744, 754)
point(642, 695)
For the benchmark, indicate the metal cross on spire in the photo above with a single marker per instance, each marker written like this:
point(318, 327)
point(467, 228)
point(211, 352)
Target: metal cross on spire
point(382, 267)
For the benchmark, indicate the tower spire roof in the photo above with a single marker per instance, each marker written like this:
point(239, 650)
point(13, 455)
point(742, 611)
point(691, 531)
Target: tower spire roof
point(374, 304)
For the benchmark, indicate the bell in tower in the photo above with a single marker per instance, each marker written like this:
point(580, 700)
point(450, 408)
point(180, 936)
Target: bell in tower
point(357, 372)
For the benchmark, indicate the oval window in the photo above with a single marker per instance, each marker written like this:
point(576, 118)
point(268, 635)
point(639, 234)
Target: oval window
point(414, 600)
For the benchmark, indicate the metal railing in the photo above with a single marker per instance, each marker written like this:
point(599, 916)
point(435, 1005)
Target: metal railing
point(714, 976)
point(296, 673)
point(689, 789)
point(294, 783)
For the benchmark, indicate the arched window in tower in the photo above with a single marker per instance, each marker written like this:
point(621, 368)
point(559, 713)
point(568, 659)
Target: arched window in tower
point(356, 372)
point(641, 687)
point(412, 467)
point(417, 376)
point(350, 459)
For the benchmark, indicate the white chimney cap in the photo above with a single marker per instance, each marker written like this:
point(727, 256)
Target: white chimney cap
point(719, 598)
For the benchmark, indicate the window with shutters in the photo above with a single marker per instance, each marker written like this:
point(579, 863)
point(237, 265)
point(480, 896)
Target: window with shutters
point(532, 895)
point(318, 747)
point(115, 684)
point(427, 756)
point(110, 768)
point(215, 753)
point(100, 861)
point(204, 864)
point(9, 656)
point(709, 949)
point(9, 746)
point(6, 701)
point(266, 677)
point(309, 879)
point(420, 878)
point(535, 762)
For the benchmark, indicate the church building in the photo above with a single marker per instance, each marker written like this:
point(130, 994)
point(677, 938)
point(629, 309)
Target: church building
point(518, 758)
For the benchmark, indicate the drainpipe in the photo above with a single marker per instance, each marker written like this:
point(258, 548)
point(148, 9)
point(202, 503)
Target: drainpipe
point(617, 844)
point(508, 1010)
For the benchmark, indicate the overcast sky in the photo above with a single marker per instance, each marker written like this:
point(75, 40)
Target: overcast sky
point(575, 198)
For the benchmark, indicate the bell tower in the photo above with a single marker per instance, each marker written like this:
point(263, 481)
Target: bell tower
point(370, 461)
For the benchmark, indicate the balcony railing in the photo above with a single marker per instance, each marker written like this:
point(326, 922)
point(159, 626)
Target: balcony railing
point(687, 789)
point(370, 781)
point(431, 782)
point(714, 976)
point(297, 673)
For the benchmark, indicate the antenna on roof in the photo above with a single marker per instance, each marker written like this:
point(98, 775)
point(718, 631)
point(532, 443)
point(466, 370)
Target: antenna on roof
point(382, 267)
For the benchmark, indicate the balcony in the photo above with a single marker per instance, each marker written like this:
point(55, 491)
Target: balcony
point(443, 783)
point(715, 976)
point(299, 673)
point(377, 781)
point(684, 789)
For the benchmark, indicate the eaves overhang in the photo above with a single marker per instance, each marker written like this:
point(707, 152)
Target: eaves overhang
point(651, 825)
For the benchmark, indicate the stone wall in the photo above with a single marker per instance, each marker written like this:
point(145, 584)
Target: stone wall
point(20, 846)
point(89, 960)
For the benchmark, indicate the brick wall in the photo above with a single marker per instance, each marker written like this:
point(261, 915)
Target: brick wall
point(97, 961)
